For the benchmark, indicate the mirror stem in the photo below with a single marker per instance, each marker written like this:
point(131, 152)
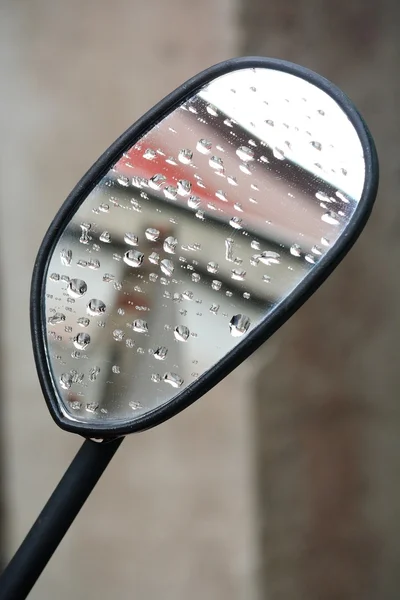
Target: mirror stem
point(64, 504)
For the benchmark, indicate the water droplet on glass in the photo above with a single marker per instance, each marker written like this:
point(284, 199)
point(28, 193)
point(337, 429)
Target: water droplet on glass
point(55, 277)
point(170, 192)
point(214, 308)
point(196, 277)
point(167, 267)
point(266, 278)
point(331, 218)
point(66, 381)
point(152, 234)
point(236, 223)
point(316, 250)
point(96, 307)
point(185, 156)
point(255, 245)
point(325, 241)
point(269, 258)
point(56, 318)
point(170, 245)
point(76, 288)
point(193, 202)
point(279, 154)
point(118, 335)
point(153, 277)
point(231, 180)
point(238, 274)
point(310, 258)
point(246, 295)
point(85, 238)
point(245, 153)
point(212, 110)
point(83, 322)
point(316, 145)
point(187, 295)
point(116, 369)
point(140, 326)
point(105, 237)
point(204, 146)
point(157, 181)
point(93, 264)
point(81, 341)
point(295, 250)
point(173, 379)
point(66, 257)
point(133, 258)
point(93, 373)
point(216, 163)
point(181, 333)
point(216, 285)
point(212, 267)
point(239, 325)
point(149, 154)
point(129, 343)
point(131, 239)
point(244, 168)
point(184, 187)
point(237, 206)
point(160, 353)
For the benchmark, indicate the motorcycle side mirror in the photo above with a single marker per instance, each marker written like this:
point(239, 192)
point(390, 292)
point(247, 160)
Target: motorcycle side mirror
point(195, 236)
point(192, 239)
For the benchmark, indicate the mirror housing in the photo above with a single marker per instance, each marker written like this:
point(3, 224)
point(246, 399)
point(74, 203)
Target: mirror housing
point(141, 243)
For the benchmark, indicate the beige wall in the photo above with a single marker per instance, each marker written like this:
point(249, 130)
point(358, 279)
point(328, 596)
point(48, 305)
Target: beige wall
point(173, 516)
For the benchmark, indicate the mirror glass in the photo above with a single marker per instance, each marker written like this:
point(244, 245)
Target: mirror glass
point(198, 231)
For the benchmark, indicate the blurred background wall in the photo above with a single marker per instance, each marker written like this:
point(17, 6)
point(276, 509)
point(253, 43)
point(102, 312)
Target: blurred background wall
point(283, 482)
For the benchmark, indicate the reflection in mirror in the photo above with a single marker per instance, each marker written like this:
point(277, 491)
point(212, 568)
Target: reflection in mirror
point(198, 232)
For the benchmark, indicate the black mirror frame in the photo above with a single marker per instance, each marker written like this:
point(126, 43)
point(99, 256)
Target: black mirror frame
point(269, 324)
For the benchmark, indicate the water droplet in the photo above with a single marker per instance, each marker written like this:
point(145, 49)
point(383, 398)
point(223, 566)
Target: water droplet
point(56, 318)
point(185, 156)
point(204, 146)
point(184, 187)
point(157, 181)
point(279, 154)
point(266, 278)
point(149, 154)
point(325, 241)
point(269, 258)
point(264, 159)
point(93, 264)
point(82, 341)
point(105, 237)
point(116, 369)
point(236, 223)
point(237, 206)
point(310, 258)
point(216, 285)
point(231, 180)
point(135, 405)
point(76, 288)
point(196, 277)
point(167, 267)
point(270, 122)
point(255, 245)
point(136, 205)
point(66, 257)
point(331, 218)
point(173, 379)
point(154, 258)
point(212, 110)
point(131, 239)
point(129, 343)
point(152, 234)
point(153, 277)
point(96, 307)
point(122, 180)
point(85, 238)
point(140, 326)
point(316, 250)
point(55, 277)
point(181, 333)
point(133, 258)
point(212, 267)
point(246, 295)
point(118, 335)
point(65, 381)
point(193, 202)
point(83, 322)
point(239, 325)
point(93, 373)
point(187, 295)
point(295, 250)
point(316, 145)
point(245, 153)
point(216, 162)
point(170, 192)
point(228, 122)
point(160, 353)
point(244, 168)
point(214, 308)
point(238, 274)
point(170, 245)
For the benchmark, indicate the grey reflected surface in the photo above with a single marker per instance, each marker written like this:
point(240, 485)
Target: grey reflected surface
point(203, 227)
